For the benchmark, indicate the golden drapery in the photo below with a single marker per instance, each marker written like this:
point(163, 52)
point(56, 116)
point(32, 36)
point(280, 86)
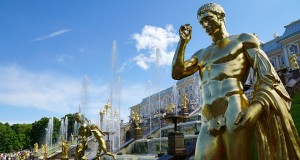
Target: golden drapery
point(276, 135)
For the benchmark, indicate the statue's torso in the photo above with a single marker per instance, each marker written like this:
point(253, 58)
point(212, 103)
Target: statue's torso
point(223, 70)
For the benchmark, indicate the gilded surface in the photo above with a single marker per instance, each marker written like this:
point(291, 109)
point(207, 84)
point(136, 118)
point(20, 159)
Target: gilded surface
point(228, 117)
point(98, 134)
point(64, 149)
point(86, 131)
point(83, 132)
point(36, 147)
point(294, 61)
point(184, 100)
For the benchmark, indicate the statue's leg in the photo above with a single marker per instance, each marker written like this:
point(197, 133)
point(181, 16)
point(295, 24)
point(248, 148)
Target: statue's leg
point(237, 143)
point(110, 154)
point(209, 147)
point(99, 153)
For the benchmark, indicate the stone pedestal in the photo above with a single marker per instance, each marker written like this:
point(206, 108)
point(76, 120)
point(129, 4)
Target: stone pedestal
point(176, 144)
point(138, 133)
point(185, 111)
point(35, 156)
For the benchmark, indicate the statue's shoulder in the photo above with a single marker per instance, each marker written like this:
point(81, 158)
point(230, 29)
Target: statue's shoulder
point(200, 53)
point(249, 40)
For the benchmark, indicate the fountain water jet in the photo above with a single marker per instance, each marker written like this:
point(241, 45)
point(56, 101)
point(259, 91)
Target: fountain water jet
point(49, 132)
point(175, 95)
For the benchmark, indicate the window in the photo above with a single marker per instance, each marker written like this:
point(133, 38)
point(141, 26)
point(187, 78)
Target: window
point(191, 97)
point(293, 48)
point(281, 60)
point(273, 63)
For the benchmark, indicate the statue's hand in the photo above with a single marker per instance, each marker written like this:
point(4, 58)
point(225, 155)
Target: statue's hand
point(248, 116)
point(185, 32)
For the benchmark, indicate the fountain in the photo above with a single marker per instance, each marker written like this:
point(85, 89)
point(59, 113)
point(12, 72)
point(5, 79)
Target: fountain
point(175, 97)
point(109, 123)
point(63, 131)
point(49, 132)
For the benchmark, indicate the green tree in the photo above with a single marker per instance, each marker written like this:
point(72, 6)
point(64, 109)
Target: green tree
point(23, 135)
point(38, 131)
point(56, 127)
point(8, 139)
point(71, 121)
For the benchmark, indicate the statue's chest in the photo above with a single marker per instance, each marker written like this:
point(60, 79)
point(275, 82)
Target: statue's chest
point(222, 53)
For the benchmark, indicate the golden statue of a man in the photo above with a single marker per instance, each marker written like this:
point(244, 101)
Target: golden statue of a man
point(43, 149)
point(184, 100)
point(227, 113)
point(98, 134)
point(294, 61)
point(36, 148)
point(64, 149)
point(84, 132)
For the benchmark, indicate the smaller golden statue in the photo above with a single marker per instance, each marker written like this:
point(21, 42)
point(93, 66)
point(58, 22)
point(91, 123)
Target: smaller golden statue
point(102, 112)
point(46, 148)
point(107, 105)
point(137, 120)
point(132, 117)
point(98, 134)
point(170, 108)
point(23, 156)
point(36, 147)
point(64, 150)
point(184, 100)
point(294, 61)
point(43, 149)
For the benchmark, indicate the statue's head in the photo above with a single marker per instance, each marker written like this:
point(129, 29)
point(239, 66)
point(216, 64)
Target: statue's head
point(211, 16)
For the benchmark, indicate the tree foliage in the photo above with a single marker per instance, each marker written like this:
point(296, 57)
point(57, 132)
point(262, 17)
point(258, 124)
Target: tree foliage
point(14, 137)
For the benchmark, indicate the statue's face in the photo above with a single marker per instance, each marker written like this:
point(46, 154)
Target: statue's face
point(210, 22)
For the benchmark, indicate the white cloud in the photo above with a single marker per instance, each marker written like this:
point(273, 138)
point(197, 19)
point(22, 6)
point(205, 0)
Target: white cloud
point(51, 35)
point(45, 91)
point(58, 93)
point(154, 39)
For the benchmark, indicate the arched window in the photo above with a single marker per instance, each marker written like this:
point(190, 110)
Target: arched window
point(191, 97)
point(294, 48)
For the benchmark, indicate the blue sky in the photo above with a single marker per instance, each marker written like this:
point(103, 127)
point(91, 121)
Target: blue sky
point(48, 47)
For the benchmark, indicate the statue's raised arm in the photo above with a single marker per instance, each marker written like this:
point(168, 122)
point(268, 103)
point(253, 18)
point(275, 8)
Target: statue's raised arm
point(181, 68)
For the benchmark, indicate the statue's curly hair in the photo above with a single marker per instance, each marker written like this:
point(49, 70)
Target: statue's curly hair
point(212, 7)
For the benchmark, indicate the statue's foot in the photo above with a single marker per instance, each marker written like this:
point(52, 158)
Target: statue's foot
point(83, 158)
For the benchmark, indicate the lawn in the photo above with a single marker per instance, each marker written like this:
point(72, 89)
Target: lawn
point(295, 111)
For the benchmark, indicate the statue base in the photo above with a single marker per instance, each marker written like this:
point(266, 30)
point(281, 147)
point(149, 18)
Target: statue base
point(138, 133)
point(64, 158)
point(184, 111)
point(176, 144)
point(36, 157)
